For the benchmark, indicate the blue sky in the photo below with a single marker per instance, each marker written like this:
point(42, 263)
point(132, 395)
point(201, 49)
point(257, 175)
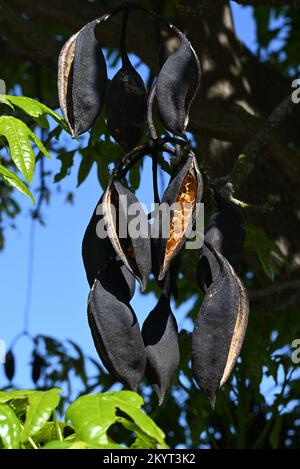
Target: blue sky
point(60, 289)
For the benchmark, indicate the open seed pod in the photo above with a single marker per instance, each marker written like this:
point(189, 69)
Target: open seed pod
point(225, 231)
point(115, 328)
point(219, 329)
point(177, 85)
point(128, 229)
point(182, 195)
point(126, 105)
point(98, 252)
point(160, 334)
point(82, 79)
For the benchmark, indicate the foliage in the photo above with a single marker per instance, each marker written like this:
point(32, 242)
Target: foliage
point(19, 137)
point(29, 420)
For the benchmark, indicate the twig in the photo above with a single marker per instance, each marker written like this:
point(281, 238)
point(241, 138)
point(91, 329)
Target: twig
point(154, 176)
point(274, 289)
point(151, 126)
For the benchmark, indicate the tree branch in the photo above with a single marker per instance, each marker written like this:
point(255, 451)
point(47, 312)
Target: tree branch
point(246, 160)
point(257, 295)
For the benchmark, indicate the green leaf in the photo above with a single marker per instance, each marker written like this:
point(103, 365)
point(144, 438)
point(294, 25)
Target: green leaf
point(6, 396)
point(130, 403)
point(57, 444)
point(67, 161)
point(10, 428)
point(143, 441)
point(35, 109)
point(107, 153)
point(49, 432)
point(4, 100)
point(13, 180)
point(257, 240)
point(78, 444)
point(267, 264)
point(99, 415)
point(41, 406)
point(19, 136)
point(135, 175)
point(98, 129)
point(275, 433)
point(86, 164)
point(262, 16)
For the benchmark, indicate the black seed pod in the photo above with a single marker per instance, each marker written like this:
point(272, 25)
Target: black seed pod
point(115, 328)
point(82, 79)
point(37, 365)
point(96, 251)
point(225, 231)
point(184, 190)
point(219, 329)
point(160, 334)
point(177, 85)
point(126, 101)
point(126, 106)
point(9, 365)
point(130, 239)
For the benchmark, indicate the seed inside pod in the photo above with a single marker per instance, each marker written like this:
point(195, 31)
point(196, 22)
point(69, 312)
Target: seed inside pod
point(115, 328)
point(160, 334)
point(182, 195)
point(82, 79)
point(121, 208)
point(219, 329)
point(177, 85)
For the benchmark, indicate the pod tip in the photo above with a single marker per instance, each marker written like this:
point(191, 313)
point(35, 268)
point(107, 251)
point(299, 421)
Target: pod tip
point(161, 394)
point(212, 400)
point(162, 274)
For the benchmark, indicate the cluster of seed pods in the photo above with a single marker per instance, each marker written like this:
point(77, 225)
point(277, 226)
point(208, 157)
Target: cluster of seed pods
point(114, 263)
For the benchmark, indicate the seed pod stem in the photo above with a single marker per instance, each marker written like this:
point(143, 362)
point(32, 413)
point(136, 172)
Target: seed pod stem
point(123, 50)
point(154, 177)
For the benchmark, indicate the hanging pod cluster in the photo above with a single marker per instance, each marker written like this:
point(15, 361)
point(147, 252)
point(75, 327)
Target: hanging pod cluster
point(121, 246)
point(115, 261)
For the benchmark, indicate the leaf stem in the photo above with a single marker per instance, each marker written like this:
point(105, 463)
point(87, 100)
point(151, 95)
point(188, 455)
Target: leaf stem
point(57, 427)
point(32, 443)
